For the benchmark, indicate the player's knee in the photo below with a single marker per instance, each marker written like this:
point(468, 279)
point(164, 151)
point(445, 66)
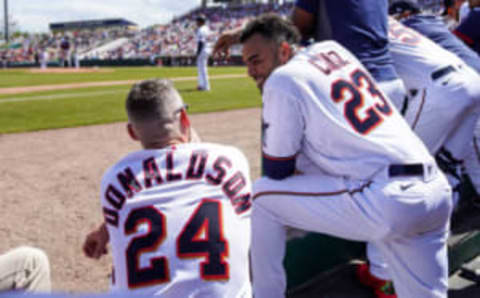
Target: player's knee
point(424, 220)
point(35, 259)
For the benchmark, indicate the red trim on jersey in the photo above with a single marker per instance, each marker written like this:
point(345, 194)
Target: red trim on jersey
point(274, 158)
point(467, 39)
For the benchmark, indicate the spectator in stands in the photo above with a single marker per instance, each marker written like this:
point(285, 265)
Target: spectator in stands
point(463, 11)
point(4, 60)
point(171, 41)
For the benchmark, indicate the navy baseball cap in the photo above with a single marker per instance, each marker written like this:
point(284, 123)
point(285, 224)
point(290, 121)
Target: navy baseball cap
point(399, 7)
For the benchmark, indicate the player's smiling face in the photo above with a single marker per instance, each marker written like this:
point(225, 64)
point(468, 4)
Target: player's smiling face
point(261, 57)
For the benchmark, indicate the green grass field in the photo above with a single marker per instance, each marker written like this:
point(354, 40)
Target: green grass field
point(32, 111)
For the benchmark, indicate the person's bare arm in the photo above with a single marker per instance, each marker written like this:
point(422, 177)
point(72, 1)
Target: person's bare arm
point(225, 41)
point(304, 21)
point(95, 244)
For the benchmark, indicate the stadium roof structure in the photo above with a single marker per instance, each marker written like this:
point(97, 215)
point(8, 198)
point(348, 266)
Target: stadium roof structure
point(90, 24)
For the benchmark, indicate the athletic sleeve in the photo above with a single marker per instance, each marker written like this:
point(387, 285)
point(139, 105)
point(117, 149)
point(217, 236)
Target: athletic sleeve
point(468, 30)
point(282, 127)
point(308, 5)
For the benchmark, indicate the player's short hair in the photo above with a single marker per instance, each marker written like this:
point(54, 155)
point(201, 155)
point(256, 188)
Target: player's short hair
point(273, 27)
point(153, 100)
point(201, 19)
point(399, 7)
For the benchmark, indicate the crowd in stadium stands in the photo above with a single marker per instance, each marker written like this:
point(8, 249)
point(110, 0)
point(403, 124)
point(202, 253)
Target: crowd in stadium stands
point(27, 49)
point(175, 39)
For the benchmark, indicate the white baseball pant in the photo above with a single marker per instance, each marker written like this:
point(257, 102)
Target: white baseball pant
point(25, 269)
point(409, 226)
point(444, 114)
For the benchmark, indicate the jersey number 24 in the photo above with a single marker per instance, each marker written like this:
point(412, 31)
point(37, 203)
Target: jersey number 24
point(357, 94)
point(201, 237)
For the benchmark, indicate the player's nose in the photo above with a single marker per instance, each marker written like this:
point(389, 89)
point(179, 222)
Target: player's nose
point(251, 70)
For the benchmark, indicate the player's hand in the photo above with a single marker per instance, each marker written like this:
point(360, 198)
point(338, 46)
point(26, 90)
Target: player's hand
point(95, 244)
point(221, 49)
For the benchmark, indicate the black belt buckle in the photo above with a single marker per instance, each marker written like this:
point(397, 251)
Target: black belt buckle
point(405, 170)
point(442, 72)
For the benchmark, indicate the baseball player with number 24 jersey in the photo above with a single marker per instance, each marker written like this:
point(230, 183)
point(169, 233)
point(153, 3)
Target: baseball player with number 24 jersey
point(177, 212)
point(175, 217)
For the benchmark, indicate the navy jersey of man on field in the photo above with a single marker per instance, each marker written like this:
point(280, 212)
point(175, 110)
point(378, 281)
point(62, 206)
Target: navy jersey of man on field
point(469, 29)
point(362, 29)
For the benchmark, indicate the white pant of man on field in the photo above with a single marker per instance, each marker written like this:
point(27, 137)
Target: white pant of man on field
point(202, 64)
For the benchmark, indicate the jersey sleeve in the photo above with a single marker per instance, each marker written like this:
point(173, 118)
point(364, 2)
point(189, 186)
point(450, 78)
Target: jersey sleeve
point(307, 5)
point(282, 125)
point(468, 30)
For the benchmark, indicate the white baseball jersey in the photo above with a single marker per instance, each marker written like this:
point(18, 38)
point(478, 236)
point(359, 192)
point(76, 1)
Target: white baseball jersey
point(323, 110)
point(179, 221)
point(340, 98)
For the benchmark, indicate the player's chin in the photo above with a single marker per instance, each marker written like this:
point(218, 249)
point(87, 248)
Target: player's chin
point(260, 85)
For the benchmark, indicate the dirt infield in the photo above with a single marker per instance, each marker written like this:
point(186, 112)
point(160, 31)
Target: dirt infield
point(49, 182)
point(18, 90)
point(69, 70)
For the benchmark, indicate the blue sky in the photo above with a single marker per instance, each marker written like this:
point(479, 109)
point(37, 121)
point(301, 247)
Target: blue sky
point(35, 15)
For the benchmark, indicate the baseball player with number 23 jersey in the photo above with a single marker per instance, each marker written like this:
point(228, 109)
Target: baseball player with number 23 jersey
point(364, 174)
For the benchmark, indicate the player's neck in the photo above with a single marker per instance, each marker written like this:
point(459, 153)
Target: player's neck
point(152, 145)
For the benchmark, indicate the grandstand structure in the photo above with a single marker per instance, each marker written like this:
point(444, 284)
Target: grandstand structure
point(92, 25)
point(121, 42)
point(206, 3)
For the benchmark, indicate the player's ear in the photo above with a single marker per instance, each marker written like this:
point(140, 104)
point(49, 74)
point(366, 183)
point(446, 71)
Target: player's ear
point(284, 52)
point(131, 132)
point(185, 123)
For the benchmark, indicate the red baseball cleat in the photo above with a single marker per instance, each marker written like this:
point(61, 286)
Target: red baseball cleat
point(381, 288)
